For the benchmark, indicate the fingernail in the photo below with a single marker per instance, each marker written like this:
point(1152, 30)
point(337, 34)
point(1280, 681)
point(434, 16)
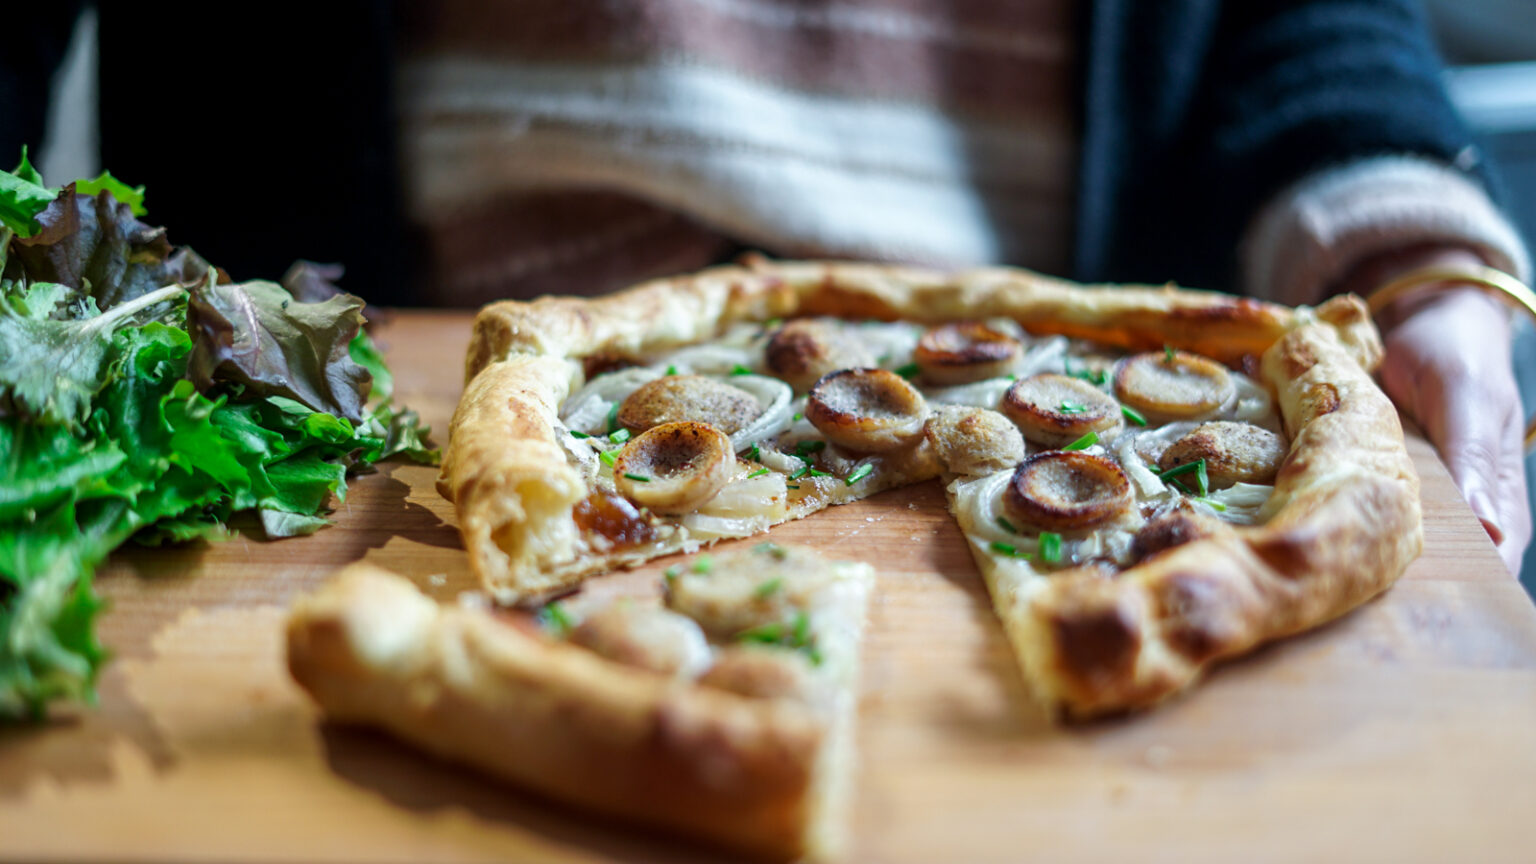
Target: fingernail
point(1482, 506)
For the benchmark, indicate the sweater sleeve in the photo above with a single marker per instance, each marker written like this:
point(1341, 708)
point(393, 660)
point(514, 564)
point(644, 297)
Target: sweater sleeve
point(1314, 232)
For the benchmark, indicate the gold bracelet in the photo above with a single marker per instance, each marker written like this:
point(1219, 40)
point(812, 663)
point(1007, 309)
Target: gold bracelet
point(1495, 283)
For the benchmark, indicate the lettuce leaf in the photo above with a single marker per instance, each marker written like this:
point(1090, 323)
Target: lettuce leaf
point(22, 197)
point(257, 335)
point(94, 245)
point(133, 196)
point(143, 396)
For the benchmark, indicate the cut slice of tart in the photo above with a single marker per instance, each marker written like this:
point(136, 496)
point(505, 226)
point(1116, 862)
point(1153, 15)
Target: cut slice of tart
point(724, 714)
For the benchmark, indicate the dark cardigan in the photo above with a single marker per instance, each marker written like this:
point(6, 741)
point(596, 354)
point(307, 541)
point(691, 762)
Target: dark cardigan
point(1194, 112)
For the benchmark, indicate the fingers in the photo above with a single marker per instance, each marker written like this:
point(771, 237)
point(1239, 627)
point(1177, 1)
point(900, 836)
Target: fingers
point(1448, 365)
point(1513, 501)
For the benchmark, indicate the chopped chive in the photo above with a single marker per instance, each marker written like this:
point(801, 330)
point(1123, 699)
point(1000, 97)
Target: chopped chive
point(769, 588)
point(800, 472)
point(638, 478)
point(554, 617)
point(1072, 408)
point(813, 655)
point(778, 552)
point(613, 418)
point(755, 453)
point(1008, 549)
point(1196, 468)
point(578, 434)
point(860, 473)
point(817, 472)
point(1084, 442)
point(805, 448)
point(908, 371)
point(1006, 525)
point(1050, 547)
point(791, 485)
point(608, 457)
point(1167, 353)
point(739, 369)
point(773, 322)
point(672, 573)
point(758, 473)
point(802, 632)
point(798, 417)
point(1214, 505)
point(768, 634)
point(671, 370)
point(620, 436)
point(1133, 415)
point(704, 564)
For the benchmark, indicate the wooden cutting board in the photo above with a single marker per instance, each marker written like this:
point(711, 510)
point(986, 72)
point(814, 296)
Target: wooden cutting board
point(1404, 732)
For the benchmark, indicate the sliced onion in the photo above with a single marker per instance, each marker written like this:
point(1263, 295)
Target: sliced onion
point(981, 394)
point(1047, 355)
point(587, 409)
point(775, 397)
point(713, 359)
point(891, 344)
point(1147, 483)
point(1244, 502)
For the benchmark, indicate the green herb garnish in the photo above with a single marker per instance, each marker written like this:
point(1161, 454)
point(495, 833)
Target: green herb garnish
point(671, 370)
point(608, 457)
point(1084, 442)
point(704, 564)
point(1133, 415)
point(578, 434)
point(754, 452)
point(860, 473)
point(779, 553)
point(766, 634)
point(1072, 408)
point(739, 369)
point(613, 418)
point(908, 371)
point(620, 436)
point(1196, 468)
point(805, 448)
point(1007, 549)
point(1006, 525)
point(804, 468)
point(1212, 503)
point(768, 589)
point(638, 478)
point(1050, 547)
point(554, 617)
point(1167, 353)
point(758, 473)
point(671, 573)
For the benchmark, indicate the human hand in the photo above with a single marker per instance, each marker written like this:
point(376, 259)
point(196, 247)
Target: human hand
point(1448, 365)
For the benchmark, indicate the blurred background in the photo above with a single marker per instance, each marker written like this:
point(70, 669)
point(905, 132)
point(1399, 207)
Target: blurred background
point(1489, 46)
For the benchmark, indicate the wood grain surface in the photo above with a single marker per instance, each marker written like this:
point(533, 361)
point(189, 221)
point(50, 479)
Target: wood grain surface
point(1404, 732)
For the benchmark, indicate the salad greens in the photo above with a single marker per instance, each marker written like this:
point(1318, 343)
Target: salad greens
point(146, 396)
